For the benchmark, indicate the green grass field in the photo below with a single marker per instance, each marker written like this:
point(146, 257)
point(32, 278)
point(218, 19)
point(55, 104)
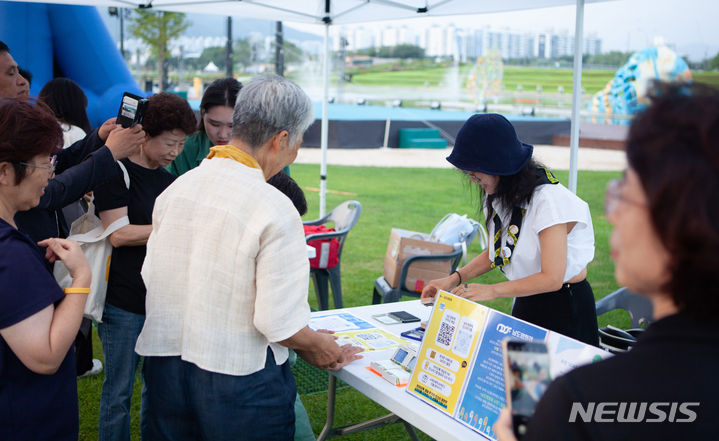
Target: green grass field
point(410, 198)
point(528, 77)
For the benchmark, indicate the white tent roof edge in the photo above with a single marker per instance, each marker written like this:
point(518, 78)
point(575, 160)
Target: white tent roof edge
point(341, 11)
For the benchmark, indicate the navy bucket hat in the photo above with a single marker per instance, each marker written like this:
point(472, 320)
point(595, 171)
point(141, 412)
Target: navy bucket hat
point(487, 143)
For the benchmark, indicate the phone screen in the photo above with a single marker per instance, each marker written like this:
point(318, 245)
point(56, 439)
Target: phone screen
point(129, 107)
point(526, 377)
point(399, 356)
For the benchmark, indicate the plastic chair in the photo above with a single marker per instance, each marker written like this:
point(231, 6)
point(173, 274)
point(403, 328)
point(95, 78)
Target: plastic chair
point(383, 293)
point(344, 217)
point(640, 308)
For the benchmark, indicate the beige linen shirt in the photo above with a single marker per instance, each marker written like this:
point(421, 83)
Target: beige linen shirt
point(226, 270)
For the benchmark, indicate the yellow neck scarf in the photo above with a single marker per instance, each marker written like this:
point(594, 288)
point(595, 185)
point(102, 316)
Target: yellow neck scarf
point(232, 152)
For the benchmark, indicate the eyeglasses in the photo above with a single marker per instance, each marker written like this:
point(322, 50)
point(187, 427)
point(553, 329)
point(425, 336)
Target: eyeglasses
point(470, 176)
point(50, 168)
point(613, 196)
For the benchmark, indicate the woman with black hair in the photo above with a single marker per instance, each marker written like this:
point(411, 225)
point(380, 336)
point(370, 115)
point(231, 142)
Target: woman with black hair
point(215, 127)
point(68, 103)
point(665, 218)
point(541, 234)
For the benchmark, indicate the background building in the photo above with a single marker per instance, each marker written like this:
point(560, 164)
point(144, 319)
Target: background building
point(449, 41)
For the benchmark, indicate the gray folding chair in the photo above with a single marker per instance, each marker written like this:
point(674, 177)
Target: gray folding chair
point(639, 307)
point(344, 217)
point(640, 311)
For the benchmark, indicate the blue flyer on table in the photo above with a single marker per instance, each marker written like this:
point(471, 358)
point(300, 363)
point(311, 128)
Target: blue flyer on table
point(483, 397)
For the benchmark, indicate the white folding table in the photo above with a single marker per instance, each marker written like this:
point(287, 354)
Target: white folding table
point(404, 407)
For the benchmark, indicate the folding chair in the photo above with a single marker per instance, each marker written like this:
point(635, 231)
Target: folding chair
point(344, 217)
point(640, 311)
point(639, 307)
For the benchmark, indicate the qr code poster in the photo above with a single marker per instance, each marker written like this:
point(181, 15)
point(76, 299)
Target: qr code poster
point(445, 357)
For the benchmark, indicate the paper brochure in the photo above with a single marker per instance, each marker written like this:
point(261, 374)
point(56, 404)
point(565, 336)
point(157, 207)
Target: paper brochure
point(355, 331)
point(459, 369)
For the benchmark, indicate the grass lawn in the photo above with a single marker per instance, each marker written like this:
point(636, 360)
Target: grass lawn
point(410, 198)
point(529, 78)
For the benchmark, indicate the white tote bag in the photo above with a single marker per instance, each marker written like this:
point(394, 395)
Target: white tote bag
point(458, 230)
point(87, 230)
point(454, 228)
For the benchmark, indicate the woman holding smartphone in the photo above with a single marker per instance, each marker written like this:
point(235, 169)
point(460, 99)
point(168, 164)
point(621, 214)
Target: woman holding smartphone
point(541, 234)
point(665, 214)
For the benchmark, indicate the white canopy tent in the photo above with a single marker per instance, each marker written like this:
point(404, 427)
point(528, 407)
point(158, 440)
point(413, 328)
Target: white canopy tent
point(329, 12)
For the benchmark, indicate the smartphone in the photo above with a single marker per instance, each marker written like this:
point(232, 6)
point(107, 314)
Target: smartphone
point(132, 110)
point(404, 316)
point(526, 377)
point(414, 334)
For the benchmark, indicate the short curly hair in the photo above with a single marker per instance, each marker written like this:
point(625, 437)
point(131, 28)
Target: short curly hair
point(167, 112)
point(673, 147)
point(27, 130)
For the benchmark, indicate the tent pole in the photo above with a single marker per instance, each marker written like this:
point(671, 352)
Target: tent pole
point(325, 122)
point(576, 96)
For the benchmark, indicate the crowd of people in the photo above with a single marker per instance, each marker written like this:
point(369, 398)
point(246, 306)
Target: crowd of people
point(238, 364)
point(208, 279)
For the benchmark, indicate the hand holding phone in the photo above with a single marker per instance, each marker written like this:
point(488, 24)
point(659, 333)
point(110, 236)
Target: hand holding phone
point(132, 110)
point(526, 377)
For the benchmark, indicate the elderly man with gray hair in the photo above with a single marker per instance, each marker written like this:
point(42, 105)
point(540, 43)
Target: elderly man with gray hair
point(227, 275)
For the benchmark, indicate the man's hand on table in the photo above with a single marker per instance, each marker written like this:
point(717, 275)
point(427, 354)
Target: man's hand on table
point(348, 354)
point(320, 349)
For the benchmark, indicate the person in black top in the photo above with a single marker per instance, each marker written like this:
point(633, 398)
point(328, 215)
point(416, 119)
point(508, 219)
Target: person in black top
point(665, 214)
point(68, 103)
point(78, 168)
point(168, 120)
point(38, 321)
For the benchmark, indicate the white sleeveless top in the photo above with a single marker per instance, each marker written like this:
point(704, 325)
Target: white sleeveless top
point(551, 204)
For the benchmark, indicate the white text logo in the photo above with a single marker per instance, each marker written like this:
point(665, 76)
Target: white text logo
point(624, 412)
point(504, 329)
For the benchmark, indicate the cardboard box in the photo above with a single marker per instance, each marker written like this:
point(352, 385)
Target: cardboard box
point(404, 244)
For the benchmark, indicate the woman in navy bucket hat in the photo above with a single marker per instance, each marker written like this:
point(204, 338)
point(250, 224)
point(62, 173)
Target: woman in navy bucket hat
point(488, 144)
point(542, 236)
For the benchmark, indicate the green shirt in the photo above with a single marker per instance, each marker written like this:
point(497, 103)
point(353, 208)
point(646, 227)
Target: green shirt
point(197, 147)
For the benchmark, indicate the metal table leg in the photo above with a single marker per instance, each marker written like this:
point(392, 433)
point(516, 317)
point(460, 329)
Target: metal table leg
point(329, 431)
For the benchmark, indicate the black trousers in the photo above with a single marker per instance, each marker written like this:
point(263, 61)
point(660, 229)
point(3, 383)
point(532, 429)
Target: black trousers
point(83, 347)
point(569, 311)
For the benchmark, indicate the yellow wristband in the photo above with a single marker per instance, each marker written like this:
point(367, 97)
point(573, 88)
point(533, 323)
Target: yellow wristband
point(77, 290)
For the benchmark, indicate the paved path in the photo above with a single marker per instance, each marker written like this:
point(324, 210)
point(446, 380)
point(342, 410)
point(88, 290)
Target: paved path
point(553, 157)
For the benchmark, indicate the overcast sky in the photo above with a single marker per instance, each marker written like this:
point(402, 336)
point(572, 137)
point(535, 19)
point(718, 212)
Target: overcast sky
point(691, 26)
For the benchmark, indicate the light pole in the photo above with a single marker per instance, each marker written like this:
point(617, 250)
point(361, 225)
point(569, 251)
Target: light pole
point(228, 49)
point(279, 50)
point(121, 13)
